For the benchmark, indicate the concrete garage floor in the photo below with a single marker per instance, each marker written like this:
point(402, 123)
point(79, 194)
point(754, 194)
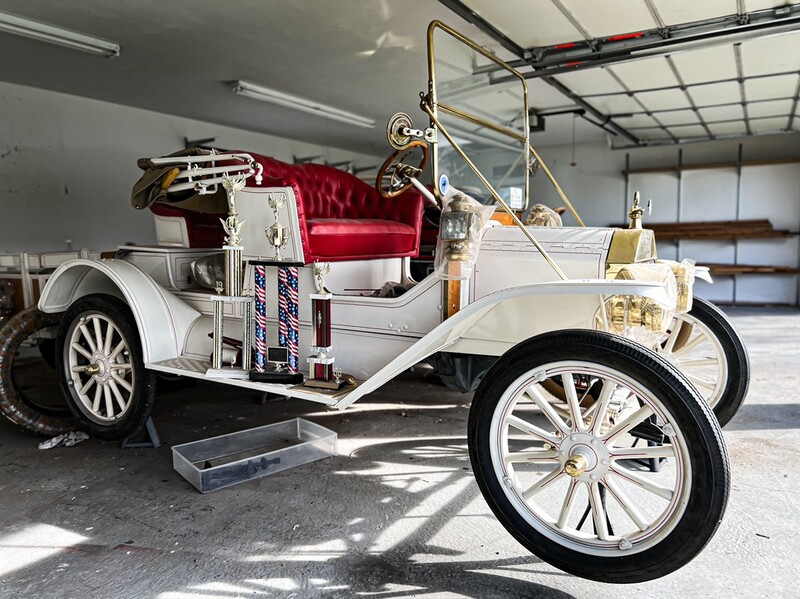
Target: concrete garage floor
point(396, 514)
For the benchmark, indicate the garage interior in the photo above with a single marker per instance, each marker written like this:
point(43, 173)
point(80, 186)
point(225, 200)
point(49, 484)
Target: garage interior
point(694, 105)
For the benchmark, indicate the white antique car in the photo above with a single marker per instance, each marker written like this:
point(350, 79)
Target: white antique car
point(595, 452)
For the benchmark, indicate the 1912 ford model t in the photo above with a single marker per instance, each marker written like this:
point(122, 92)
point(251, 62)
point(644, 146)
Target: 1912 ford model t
point(566, 422)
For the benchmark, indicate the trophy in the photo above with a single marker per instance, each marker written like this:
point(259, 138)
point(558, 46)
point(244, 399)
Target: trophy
point(232, 289)
point(321, 371)
point(277, 235)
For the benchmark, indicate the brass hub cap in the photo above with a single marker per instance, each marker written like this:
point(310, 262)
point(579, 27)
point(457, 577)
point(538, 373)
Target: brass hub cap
point(584, 457)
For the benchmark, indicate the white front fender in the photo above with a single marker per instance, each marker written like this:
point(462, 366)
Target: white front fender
point(162, 319)
point(477, 320)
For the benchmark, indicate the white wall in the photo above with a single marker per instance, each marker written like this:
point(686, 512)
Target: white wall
point(67, 165)
point(597, 188)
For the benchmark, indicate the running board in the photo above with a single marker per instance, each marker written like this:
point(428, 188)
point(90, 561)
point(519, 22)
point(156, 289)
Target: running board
point(197, 369)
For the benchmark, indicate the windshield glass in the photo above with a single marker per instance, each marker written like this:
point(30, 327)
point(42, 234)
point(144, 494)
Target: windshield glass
point(482, 104)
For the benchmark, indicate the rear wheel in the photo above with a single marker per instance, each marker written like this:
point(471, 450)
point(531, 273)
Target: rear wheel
point(101, 368)
point(573, 484)
point(709, 352)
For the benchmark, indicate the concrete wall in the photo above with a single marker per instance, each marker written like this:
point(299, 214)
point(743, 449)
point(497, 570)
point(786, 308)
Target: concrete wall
point(67, 165)
point(597, 188)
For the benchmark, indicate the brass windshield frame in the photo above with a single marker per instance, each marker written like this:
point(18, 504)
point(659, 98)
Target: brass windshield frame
point(436, 106)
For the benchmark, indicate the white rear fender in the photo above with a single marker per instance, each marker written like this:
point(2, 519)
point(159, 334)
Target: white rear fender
point(495, 323)
point(162, 319)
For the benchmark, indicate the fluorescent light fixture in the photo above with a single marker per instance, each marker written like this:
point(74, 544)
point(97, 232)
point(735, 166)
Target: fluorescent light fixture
point(258, 92)
point(43, 32)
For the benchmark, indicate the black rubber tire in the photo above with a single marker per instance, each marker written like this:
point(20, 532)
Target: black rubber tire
point(144, 380)
point(738, 382)
point(709, 462)
point(13, 403)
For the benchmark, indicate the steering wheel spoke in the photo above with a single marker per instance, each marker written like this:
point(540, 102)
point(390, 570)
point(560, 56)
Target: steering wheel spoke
point(394, 176)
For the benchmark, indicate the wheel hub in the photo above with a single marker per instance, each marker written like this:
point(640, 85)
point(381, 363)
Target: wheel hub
point(584, 457)
point(100, 367)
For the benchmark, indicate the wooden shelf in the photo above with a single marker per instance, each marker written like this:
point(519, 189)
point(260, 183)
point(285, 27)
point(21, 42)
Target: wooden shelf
point(745, 269)
point(716, 230)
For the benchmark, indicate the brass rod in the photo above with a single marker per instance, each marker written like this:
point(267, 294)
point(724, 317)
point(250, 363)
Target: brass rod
point(457, 112)
point(496, 196)
point(557, 186)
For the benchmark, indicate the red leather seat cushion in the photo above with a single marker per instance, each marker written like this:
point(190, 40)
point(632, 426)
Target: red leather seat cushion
point(359, 239)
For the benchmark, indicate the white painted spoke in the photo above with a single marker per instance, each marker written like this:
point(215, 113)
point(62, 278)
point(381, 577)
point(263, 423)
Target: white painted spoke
point(566, 505)
point(80, 349)
point(109, 338)
point(519, 457)
point(598, 512)
point(88, 337)
point(547, 409)
point(117, 395)
point(673, 336)
point(109, 401)
point(606, 393)
point(627, 424)
point(687, 363)
point(643, 453)
point(700, 382)
point(98, 334)
point(625, 503)
point(98, 395)
point(87, 386)
point(531, 429)
point(121, 382)
point(124, 366)
point(642, 482)
point(119, 347)
point(573, 402)
point(542, 483)
point(689, 346)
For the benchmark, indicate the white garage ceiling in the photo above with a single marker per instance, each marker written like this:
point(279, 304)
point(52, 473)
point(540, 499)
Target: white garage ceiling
point(368, 57)
point(720, 87)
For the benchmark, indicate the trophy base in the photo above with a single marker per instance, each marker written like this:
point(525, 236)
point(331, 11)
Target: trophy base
point(227, 373)
point(276, 376)
point(329, 385)
point(273, 262)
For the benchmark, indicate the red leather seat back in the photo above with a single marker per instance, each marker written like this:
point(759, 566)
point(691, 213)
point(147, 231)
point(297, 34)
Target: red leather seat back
point(205, 230)
point(326, 193)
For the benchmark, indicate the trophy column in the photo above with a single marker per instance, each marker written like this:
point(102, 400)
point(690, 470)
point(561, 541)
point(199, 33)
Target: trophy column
point(233, 293)
point(321, 373)
point(277, 364)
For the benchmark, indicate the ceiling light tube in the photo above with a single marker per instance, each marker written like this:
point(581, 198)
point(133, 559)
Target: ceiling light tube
point(43, 32)
point(258, 92)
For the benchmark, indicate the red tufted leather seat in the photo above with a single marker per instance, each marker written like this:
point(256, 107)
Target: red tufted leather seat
point(344, 218)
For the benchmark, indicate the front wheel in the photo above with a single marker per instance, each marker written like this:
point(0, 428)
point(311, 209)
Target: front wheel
point(576, 485)
point(100, 367)
point(706, 348)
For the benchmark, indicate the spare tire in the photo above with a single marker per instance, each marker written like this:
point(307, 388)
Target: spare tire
point(16, 403)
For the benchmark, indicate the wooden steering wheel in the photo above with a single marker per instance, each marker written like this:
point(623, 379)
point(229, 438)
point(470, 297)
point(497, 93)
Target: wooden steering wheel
point(393, 176)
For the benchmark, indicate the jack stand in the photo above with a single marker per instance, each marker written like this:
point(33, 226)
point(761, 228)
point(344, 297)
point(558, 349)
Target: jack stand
point(265, 398)
point(152, 440)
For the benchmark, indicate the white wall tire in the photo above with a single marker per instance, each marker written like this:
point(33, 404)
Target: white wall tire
point(638, 525)
point(100, 366)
